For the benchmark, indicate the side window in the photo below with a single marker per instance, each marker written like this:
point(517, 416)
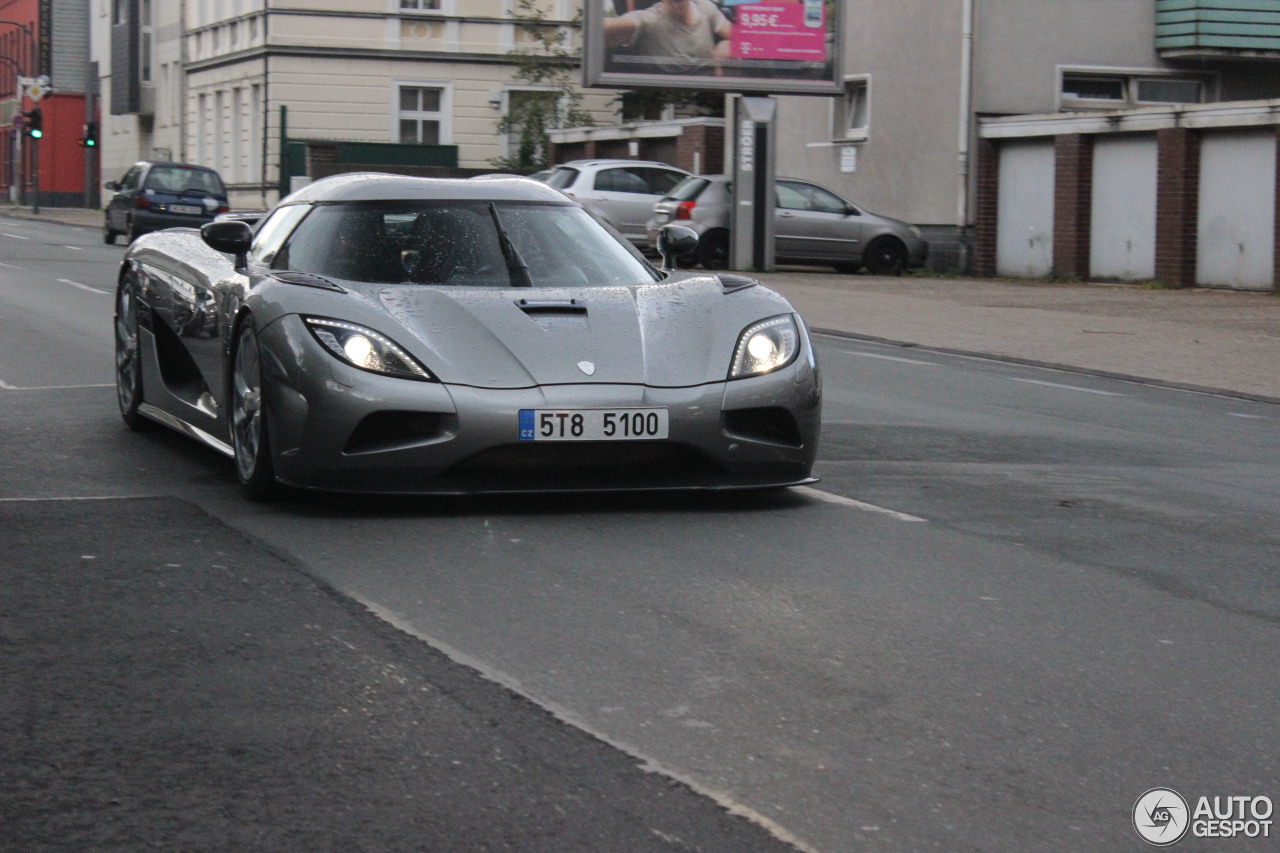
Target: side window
point(826, 202)
point(621, 181)
point(662, 181)
point(272, 233)
point(789, 198)
point(131, 178)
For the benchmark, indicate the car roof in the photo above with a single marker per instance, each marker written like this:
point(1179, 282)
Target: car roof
point(577, 164)
point(378, 186)
point(174, 164)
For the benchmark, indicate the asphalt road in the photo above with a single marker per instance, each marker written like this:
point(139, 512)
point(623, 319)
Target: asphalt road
point(1018, 599)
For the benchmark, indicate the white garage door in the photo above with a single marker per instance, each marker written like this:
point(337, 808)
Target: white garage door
point(1235, 243)
point(1123, 226)
point(1024, 233)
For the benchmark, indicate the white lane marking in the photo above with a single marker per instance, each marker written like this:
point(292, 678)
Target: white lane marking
point(15, 236)
point(74, 248)
point(850, 502)
point(1248, 417)
point(891, 358)
point(5, 386)
point(1065, 387)
point(11, 266)
point(83, 286)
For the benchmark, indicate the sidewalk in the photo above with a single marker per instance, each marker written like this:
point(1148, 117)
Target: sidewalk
point(1203, 339)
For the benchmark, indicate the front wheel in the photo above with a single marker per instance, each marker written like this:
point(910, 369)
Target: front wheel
point(128, 355)
point(886, 256)
point(249, 430)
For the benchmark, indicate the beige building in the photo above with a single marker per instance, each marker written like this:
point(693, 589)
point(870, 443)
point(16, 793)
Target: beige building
point(225, 83)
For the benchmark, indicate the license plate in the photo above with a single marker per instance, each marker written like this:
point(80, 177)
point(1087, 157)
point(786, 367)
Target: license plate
point(592, 424)
point(186, 208)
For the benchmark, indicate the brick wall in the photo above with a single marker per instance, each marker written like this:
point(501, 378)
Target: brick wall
point(1072, 205)
point(986, 208)
point(1177, 205)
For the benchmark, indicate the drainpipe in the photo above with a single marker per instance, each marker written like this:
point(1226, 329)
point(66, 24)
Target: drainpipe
point(966, 111)
point(182, 84)
point(266, 99)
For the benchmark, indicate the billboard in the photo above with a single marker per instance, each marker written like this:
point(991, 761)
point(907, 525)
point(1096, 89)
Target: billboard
point(751, 46)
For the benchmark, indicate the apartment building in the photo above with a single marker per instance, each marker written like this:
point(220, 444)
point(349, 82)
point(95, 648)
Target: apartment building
point(229, 83)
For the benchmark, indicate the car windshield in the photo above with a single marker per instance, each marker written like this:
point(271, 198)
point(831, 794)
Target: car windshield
point(461, 244)
point(180, 179)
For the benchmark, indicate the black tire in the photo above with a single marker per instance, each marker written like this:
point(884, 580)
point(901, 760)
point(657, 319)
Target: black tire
point(250, 426)
point(886, 256)
point(109, 236)
point(128, 355)
point(713, 250)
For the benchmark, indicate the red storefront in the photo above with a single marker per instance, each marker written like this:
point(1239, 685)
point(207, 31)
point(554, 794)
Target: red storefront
point(57, 162)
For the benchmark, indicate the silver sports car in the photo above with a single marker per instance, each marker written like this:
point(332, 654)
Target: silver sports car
point(378, 333)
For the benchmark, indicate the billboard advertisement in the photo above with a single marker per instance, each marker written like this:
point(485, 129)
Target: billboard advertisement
point(751, 46)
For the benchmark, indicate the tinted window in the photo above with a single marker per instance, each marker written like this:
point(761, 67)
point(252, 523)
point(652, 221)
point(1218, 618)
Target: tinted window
point(562, 178)
point(457, 244)
point(130, 180)
point(622, 181)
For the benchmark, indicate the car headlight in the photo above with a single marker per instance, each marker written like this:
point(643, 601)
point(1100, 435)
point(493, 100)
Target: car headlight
point(765, 346)
point(366, 349)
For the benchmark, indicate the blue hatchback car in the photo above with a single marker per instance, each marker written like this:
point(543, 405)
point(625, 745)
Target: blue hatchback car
point(156, 195)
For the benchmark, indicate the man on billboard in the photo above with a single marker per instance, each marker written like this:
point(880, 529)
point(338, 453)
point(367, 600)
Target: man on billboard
point(671, 36)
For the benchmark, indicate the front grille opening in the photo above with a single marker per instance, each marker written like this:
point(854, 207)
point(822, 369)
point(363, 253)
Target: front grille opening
point(774, 425)
point(382, 431)
point(596, 465)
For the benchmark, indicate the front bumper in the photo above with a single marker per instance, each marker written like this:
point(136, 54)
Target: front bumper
point(337, 428)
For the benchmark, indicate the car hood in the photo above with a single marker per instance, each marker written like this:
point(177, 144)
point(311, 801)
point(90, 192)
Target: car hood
point(675, 334)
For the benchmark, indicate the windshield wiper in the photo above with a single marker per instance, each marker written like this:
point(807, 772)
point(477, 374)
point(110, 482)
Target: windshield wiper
point(515, 263)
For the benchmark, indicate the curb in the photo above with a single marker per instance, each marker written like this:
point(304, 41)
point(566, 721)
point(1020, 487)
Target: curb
point(1049, 365)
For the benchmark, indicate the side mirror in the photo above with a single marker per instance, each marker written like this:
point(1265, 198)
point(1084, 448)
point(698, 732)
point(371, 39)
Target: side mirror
point(229, 236)
point(674, 242)
point(111, 186)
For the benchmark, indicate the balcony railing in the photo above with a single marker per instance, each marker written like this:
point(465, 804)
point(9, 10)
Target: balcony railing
point(1222, 28)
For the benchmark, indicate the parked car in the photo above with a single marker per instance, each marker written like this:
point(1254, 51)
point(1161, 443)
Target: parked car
point(813, 225)
point(154, 195)
point(381, 333)
point(621, 192)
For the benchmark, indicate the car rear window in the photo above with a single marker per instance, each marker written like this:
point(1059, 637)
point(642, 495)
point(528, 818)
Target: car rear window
point(689, 189)
point(562, 178)
point(179, 179)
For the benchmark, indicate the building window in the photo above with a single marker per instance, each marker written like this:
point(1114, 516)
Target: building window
point(1111, 91)
point(420, 5)
point(145, 31)
point(1170, 91)
point(421, 116)
point(852, 113)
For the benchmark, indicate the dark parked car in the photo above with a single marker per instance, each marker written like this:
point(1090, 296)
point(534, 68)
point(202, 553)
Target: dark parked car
point(812, 225)
point(156, 195)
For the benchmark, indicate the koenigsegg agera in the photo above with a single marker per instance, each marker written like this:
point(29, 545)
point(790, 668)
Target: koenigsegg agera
point(379, 333)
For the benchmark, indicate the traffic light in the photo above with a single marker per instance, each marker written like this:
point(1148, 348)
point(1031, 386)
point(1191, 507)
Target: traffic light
point(35, 122)
point(89, 135)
